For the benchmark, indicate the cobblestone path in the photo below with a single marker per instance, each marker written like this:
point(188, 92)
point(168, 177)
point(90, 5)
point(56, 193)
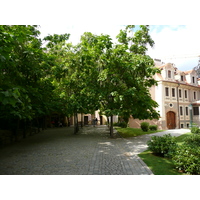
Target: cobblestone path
point(59, 152)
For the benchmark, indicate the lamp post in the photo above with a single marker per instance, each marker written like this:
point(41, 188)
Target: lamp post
point(178, 106)
point(190, 108)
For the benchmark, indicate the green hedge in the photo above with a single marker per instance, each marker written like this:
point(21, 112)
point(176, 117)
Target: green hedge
point(144, 126)
point(153, 127)
point(121, 124)
point(187, 159)
point(163, 146)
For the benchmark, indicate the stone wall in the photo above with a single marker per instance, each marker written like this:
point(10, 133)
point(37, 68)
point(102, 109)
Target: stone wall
point(135, 123)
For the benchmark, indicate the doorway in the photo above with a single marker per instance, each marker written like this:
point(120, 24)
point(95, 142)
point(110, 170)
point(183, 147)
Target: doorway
point(101, 120)
point(171, 120)
point(85, 120)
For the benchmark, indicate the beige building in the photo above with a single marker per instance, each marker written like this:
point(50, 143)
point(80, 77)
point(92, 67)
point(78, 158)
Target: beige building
point(88, 119)
point(178, 95)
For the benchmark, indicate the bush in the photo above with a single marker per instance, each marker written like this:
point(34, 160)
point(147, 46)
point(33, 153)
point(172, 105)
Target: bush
point(153, 127)
point(121, 124)
point(193, 140)
point(187, 159)
point(144, 126)
point(195, 129)
point(164, 146)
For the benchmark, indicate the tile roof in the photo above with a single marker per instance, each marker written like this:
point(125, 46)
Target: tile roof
point(188, 72)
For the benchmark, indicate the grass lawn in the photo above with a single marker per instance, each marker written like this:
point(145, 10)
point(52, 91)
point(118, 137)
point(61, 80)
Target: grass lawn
point(133, 132)
point(159, 165)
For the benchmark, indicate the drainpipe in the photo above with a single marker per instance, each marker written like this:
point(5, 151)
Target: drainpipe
point(190, 108)
point(178, 106)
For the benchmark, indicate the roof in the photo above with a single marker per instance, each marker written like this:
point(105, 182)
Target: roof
point(188, 72)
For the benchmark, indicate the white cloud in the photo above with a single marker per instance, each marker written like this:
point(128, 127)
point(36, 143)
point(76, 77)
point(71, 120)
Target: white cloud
point(77, 30)
point(169, 40)
point(177, 41)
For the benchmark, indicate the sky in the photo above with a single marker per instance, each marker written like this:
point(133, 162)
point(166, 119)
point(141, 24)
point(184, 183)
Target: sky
point(109, 16)
point(178, 44)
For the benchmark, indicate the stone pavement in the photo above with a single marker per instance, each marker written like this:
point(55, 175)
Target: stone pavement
point(91, 152)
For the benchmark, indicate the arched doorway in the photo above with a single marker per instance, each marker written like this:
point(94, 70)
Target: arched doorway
point(171, 120)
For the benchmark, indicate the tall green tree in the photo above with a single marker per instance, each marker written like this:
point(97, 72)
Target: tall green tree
point(25, 89)
point(125, 74)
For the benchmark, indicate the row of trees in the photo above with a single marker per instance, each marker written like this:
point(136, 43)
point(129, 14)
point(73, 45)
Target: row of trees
point(41, 76)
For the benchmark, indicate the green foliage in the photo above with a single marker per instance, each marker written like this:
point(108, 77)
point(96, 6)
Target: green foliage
point(121, 124)
point(95, 74)
point(153, 127)
point(144, 126)
point(186, 158)
point(195, 129)
point(193, 139)
point(163, 146)
point(133, 132)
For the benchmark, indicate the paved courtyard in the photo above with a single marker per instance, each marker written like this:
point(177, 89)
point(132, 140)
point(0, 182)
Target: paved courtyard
point(91, 152)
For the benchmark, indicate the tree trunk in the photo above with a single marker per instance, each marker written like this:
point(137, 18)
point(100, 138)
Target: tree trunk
point(15, 130)
point(111, 126)
point(76, 128)
point(108, 123)
point(24, 128)
point(81, 120)
point(38, 125)
point(68, 122)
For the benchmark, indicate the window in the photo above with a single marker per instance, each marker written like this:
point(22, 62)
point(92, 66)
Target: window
point(186, 111)
point(194, 95)
point(181, 110)
point(173, 92)
point(193, 80)
point(195, 110)
point(186, 94)
point(166, 91)
point(182, 78)
point(180, 94)
point(169, 74)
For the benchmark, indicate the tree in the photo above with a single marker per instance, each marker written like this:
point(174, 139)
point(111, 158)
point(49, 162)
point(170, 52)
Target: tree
point(95, 74)
point(125, 74)
point(25, 89)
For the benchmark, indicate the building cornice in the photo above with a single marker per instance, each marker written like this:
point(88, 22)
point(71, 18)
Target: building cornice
point(176, 83)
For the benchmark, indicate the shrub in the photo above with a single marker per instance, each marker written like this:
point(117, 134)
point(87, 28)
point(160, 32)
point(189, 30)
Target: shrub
point(153, 127)
point(187, 159)
point(144, 126)
point(164, 146)
point(193, 140)
point(195, 130)
point(121, 124)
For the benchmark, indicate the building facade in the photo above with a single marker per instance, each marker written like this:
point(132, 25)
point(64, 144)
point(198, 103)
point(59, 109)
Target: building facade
point(178, 95)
